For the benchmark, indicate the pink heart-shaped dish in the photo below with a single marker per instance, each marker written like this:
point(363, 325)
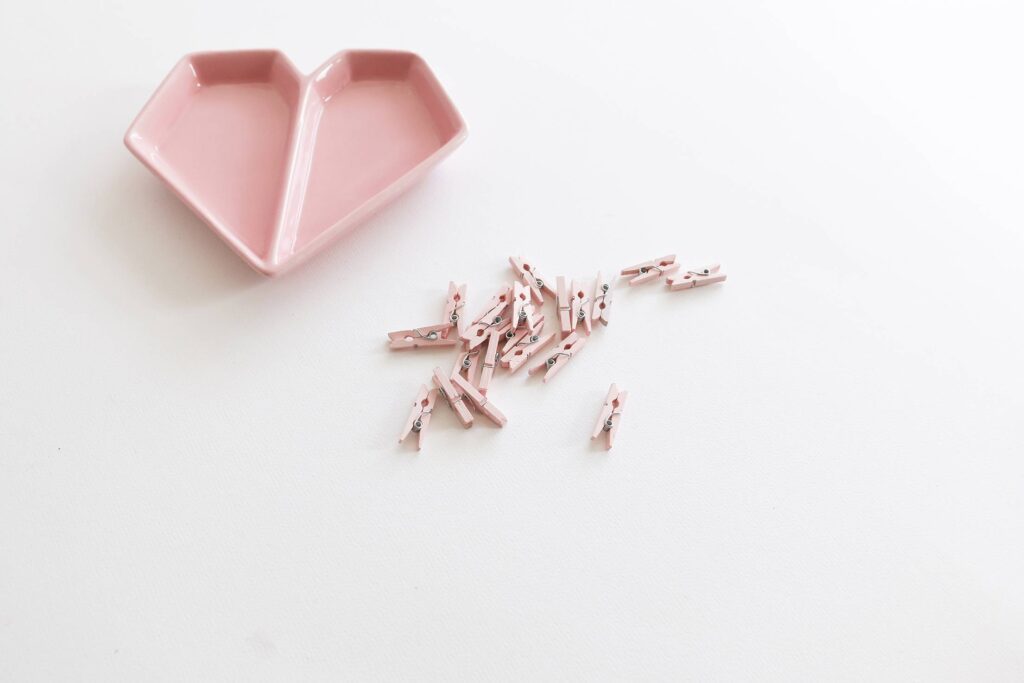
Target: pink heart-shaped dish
point(278, 163)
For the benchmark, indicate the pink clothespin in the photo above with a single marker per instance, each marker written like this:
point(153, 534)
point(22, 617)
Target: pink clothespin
point(581, 307)
point(455, 399)
point(453, 307)
point(696, 278)
point(494, 316)
point(602, 299)
point(490, 356)
point(611, 414)
point(529, 276)
point(468, 363)
point(651, 270)
point(419, 416)
point(422, 337)
point(524, 348)
point(564, 352)
point(565, 320)
point(479, 401)
point(522, 306)
point(435, 335)
point(512, 336)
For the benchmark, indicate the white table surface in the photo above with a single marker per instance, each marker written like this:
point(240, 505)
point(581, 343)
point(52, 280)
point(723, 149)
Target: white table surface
point(820, 473)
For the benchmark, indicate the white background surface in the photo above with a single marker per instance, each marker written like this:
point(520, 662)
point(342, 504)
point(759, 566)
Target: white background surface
point(819, 474)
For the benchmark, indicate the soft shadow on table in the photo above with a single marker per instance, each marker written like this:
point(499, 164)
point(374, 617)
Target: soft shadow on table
point(162, 244)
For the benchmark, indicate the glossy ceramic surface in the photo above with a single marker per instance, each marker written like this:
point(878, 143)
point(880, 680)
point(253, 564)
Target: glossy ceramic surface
point(279, 163)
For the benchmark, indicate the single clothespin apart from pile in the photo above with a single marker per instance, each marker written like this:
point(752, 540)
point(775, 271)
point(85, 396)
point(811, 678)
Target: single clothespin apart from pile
point(611, 415)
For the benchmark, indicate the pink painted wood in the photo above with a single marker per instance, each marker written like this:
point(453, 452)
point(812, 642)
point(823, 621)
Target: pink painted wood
point(611, 415)
point(419, 416)
point(482, 404)
point(455, 399)
point(696, 278)
point(651, 270)
point(564, 352)
point(441, 334)
point(602, 299)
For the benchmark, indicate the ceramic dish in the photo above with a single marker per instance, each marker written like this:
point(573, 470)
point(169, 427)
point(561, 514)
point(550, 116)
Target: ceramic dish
point(279, 164)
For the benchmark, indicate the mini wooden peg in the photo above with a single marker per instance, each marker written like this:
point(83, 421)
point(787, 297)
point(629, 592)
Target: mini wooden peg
point(696, 278)
point(490, 356)
point(564, 352)
point(482, 404)
point(512, 336)
point(493, 317)
point(522, 307)
point(523, 349)
point(455, 399)
point(611, 415)
point(602, 299)
point(423, 337)
point(581, 308)
point(419, 416)
point(651, 270)
point(529, 276)
point(453, 307)
point(468, 364)
point(564, 307)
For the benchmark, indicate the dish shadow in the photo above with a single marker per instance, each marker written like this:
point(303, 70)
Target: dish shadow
point(175, 256)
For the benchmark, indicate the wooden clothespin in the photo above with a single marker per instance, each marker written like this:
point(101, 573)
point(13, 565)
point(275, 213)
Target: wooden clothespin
point(611, 414)
point(512, 336)
point(468, 364)
point(564, 302)
point(455, 399)
point(564, 352)
point(435, 335)
point(453, 307)
point(493, 317)
point(581, 307)
point(423, 337)
point(522, 306)
point(524, 348)
point(602, 299)
point(696, 278)
point(651, 270)
point(419, 416)
point(529, 276)
point(482, 404)
point(490, 356)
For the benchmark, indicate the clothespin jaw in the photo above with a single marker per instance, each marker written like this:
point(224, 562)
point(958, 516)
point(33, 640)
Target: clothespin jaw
point(529, 276)
point(455, 399)
point(454, 305)
point(602, 299)
point(423, 337)
point(581, 308)
point(611, 415)
point(419, 416)
point(651, 270)
point(696, 278)
point(490, 357)
point(524, 348)
point(565, 320)
point(494, 316)
point(479, 401)
point(564, 352)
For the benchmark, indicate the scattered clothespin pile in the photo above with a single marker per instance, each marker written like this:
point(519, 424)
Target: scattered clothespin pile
point(510, 332)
